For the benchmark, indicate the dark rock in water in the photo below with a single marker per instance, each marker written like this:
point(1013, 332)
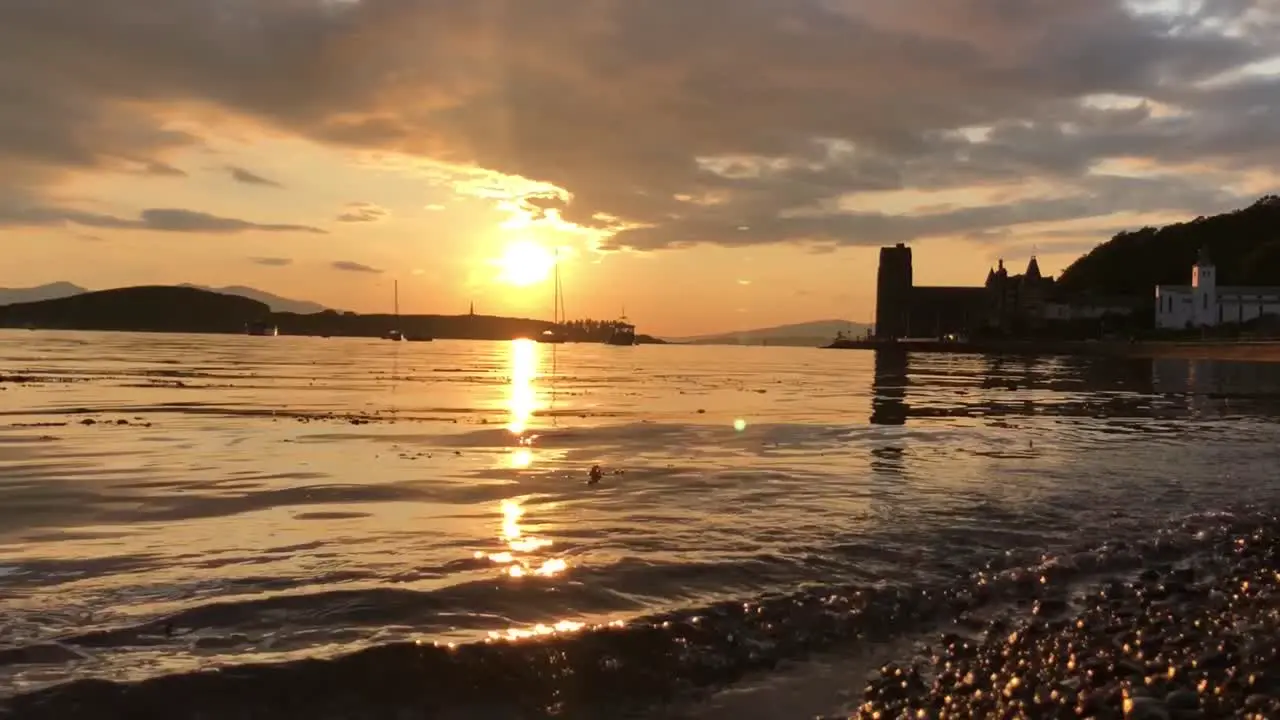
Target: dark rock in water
point(1145, 708)
point(1049, 607)
point(44, 653)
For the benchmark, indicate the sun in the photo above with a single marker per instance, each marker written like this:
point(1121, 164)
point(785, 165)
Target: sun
point(525, 263)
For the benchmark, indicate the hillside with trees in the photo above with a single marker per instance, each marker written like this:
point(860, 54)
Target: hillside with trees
point(1244, 244)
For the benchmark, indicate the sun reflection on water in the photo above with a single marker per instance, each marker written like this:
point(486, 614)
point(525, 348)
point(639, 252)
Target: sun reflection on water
point(564, 627)
point(539, 630)
point(521, 458)
point(523, 401)
point(521, 557)
point(525, 554)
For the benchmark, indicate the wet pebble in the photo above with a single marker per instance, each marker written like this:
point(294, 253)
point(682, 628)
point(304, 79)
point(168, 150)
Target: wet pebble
point(1156, 646)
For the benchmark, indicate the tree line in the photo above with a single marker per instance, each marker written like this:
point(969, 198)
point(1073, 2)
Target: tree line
point(588, 330)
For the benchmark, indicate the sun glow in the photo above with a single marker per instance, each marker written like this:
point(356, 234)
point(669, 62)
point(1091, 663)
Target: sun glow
point(525, 263)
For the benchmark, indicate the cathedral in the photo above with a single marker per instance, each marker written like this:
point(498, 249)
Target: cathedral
point(1005, 304)
point(1016, 303)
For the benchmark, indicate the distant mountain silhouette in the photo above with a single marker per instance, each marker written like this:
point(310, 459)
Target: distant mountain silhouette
point(52, 291)
point(57, 290)
point(275, 302)
point(802, 334)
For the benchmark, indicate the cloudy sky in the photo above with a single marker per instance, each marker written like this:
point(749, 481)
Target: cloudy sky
point(709, 164)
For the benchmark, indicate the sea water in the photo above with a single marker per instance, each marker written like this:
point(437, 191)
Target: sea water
point(417, 517)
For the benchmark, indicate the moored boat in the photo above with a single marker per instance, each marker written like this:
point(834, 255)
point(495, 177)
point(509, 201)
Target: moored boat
point(624, 333)
point(556, 333)
point(395, 333)
point(261, 329)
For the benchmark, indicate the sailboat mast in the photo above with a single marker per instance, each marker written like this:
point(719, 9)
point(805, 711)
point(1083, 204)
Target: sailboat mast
point(397, 291)
point(557, 301)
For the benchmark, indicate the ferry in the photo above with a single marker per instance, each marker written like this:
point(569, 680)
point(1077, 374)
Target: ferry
point(624, 333)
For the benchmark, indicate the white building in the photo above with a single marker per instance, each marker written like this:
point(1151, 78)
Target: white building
point(1204, 303)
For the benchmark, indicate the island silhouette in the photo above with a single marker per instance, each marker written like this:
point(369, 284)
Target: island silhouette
point(185, 309)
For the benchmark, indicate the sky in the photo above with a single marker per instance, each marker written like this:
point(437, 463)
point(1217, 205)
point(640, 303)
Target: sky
point(704, 165)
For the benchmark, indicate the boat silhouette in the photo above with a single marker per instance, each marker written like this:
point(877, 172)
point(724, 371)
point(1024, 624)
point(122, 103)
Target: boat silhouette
point(555, 334)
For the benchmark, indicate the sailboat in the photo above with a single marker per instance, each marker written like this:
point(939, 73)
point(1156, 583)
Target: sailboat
point(410, 337)
point(555, 334)
point(394, 333)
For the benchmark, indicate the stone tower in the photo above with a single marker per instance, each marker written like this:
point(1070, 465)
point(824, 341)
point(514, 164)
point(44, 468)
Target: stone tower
point(893, 293)
point(1204, 291)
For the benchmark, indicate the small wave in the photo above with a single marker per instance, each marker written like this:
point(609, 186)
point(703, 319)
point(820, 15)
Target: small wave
point(589, 670)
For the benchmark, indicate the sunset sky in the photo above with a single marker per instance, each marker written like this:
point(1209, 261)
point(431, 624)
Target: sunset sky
point(710, 164)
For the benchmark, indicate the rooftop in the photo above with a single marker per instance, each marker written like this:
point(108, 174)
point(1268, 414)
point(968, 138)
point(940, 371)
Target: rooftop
point(1225, 289)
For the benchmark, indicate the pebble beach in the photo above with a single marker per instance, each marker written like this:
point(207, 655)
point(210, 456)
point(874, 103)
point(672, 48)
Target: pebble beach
point(1193, 634)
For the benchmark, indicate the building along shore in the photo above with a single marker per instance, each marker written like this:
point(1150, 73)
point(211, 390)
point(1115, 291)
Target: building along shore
point(1251, 351)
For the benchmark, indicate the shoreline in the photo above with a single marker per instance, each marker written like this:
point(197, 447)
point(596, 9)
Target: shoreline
point(1245, 351)
point(640, 339)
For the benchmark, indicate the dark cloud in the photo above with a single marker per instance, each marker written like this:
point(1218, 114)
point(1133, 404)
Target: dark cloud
point(682, 121)
point(162, 169)
point(248, 177)
point(348, 266)
point(359, 212)
point(157, 219)
point(1049, 241)
point(272, 261)
point(192, 221)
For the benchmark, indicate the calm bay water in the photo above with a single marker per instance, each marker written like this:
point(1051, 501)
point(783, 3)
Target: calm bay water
point(170, 503)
